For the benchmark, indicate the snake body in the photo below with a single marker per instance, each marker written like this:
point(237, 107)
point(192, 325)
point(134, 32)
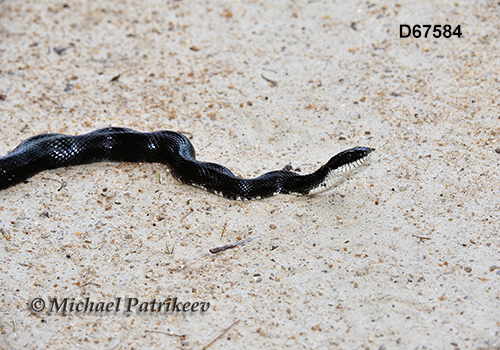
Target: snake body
point(50, 151)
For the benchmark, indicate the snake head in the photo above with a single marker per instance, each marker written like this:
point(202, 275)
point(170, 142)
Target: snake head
point(351, 158)
point(339, 167)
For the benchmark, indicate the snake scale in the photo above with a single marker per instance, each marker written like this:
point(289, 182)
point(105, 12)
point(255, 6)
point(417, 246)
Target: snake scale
point(50, 151)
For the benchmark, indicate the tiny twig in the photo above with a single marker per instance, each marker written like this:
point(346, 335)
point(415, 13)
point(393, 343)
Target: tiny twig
point(171, 334)
point(62, 182)
point(223, 230)
point(89, 283)
point(270, 70)
point(220, 335)
point(168, 249)
point(185, 216)
point(273, 83)
point(231, 245)
point(421, 237)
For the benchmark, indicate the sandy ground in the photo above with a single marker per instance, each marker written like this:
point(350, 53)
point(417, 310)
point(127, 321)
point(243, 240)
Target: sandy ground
point(405, 254)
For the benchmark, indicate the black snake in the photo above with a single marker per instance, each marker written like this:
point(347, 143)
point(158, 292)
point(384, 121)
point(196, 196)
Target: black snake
point(49, 151)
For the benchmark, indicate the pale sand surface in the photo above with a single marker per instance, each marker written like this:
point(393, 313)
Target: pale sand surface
point(405, 254)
